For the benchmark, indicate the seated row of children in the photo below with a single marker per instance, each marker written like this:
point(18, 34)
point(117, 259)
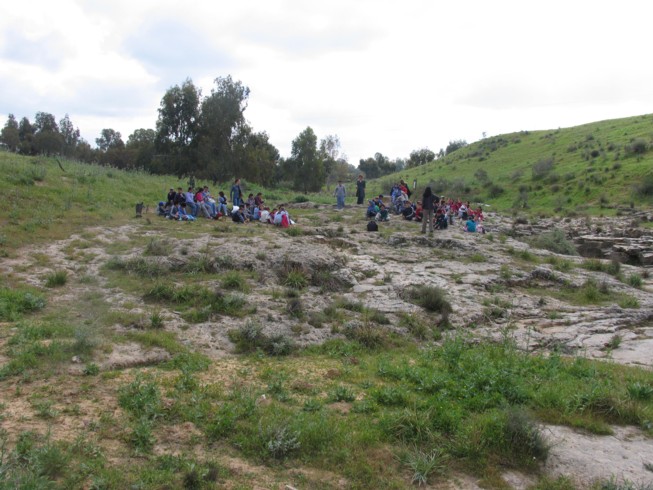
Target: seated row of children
point(190, 205)
point(279, 217)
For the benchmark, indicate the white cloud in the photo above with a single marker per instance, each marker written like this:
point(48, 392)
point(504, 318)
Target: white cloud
point(385, 76)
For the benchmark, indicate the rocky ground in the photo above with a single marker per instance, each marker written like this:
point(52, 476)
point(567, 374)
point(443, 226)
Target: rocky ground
point(498, 285)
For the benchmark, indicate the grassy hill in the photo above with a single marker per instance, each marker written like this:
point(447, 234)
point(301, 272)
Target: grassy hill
point(590, 168)
point(149, 353)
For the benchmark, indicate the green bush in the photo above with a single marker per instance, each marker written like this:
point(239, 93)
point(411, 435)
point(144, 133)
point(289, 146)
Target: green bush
point(14, 303)
point(644, 188)
point(555, 241)
point(542, 168)
point(250, 338)
point(432, 299)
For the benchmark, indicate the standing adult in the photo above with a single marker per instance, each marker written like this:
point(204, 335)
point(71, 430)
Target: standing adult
point(236, 194)
point(428, 201)
point(360, 190)
point(340, 194)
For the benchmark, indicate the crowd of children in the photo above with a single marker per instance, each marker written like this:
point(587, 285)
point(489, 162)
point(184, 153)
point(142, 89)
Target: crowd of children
point(194, 204)
point(437, 212)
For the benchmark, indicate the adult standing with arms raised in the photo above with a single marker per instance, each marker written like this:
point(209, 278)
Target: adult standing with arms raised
point(360, 190)
point(428, 202)
point(236, 194)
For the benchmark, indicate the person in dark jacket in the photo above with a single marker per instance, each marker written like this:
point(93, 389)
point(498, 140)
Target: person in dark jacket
point(360, 189)
point(428, 201)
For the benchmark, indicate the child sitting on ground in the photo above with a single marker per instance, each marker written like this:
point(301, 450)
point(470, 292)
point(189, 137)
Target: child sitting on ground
point(265, 215)
point(383, 214)
point(372, 209)
point(161, 209)
point(470, 224)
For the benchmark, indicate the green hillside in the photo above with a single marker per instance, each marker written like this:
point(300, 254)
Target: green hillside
point(586, 168)
point(590, 169)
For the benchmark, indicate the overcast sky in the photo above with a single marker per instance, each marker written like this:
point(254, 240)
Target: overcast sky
point(385, 76)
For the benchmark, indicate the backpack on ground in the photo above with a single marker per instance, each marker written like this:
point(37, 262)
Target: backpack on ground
point(372, 226)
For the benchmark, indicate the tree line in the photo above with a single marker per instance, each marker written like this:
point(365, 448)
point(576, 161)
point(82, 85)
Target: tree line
point(207, 137)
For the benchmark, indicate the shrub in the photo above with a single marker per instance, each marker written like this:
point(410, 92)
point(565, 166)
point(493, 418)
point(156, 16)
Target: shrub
point(368, 336)
point(91, 369)
point(638, 146)
point(432, 299)
point(295, 308)
point(555, 241)
point(542, 168)
point(523, 436)
point(645, 187)
point(494, 191)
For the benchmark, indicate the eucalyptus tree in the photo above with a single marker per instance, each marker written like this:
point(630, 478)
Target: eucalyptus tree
point(9, 135)
point(306, 163)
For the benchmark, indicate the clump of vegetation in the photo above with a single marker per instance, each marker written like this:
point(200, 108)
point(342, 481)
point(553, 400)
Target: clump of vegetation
point(369, 336)
point(250, 338)
point(56, 279)
point(635, 280)
point(235, 280)
point(555, 241)
point(644, 189)
point(612, 267)
point(16, 302)
point(327, 281)
point(432, 299)
point(542, 168)
point(140, 266)
point(157, 247)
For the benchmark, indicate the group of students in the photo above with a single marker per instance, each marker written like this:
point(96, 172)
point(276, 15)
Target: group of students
point(194, 204)
point(433, 211)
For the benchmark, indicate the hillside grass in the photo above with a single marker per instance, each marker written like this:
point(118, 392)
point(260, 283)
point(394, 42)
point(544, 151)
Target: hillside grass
point(594, 169)
point(46, 201)
point(375, 408)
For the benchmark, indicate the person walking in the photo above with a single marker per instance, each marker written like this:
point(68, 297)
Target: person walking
point(360, 190)
point(340, 194)
point(428, 202)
